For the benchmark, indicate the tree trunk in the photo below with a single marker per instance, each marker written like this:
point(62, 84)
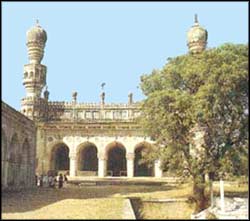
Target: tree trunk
point(199, 193)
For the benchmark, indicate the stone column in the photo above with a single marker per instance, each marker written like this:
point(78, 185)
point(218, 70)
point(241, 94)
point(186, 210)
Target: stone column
point(222, 203)
point(158, 170)
point(72, 166)
point(102, 165)
point(130, 164)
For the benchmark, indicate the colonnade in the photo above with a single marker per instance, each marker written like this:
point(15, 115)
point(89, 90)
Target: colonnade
point(102, 166)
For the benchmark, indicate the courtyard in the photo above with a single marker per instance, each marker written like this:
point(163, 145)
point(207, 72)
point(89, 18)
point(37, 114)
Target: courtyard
point(106, 201)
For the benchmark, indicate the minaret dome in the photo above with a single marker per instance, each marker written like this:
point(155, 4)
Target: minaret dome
point(197, 37)
point(36, 39)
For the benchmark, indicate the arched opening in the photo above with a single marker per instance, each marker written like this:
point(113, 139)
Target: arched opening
point(142, 168)
point(60, 158)
point(26, 164)
point(13, 162)
point(4, 146)
point(116, 156)
point(87, 161)
point(4, 157)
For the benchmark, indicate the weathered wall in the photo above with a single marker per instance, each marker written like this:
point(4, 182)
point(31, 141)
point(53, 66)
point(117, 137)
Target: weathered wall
point(18, 149)
point(75, 135)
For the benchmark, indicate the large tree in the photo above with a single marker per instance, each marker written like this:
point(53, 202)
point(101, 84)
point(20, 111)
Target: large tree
point(207, 92)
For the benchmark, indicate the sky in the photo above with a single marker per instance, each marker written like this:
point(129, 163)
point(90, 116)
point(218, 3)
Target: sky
point(113, 42)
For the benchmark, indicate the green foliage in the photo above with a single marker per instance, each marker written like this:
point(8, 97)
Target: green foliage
point(208, 91)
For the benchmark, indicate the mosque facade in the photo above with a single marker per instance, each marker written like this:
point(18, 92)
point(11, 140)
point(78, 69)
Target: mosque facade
point(87, 139)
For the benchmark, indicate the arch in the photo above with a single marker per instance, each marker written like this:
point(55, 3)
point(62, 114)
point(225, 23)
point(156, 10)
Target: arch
point(13, 159)
point(4, 155)
point(141, 168)
point(4, 146)
point(116, 159)
point(26, 162)
point(87, 161)
point(31, 74)
point(59, 160)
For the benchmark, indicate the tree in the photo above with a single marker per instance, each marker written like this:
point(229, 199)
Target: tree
point(205, 93)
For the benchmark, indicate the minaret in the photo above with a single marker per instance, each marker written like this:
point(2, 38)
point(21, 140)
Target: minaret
point(197, 37)
point(34, 73)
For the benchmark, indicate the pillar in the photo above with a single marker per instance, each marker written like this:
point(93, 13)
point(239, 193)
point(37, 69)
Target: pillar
point(222, 203)
point(158, 170)
point(102, 165)
point(130, 164)
point(72, 166)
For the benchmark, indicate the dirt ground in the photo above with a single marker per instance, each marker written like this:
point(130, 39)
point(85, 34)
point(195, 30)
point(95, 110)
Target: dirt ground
point(86, 202)
point(95, 202)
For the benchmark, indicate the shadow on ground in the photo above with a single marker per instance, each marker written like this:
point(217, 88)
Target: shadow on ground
point(28, 200)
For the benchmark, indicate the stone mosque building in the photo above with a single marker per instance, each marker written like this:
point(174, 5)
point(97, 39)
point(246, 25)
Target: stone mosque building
point(81, 139)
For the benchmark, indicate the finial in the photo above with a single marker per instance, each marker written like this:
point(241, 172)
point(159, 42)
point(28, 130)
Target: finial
point(102, 98)
point(130, 98)
point(102, 85)
point(46, 93)
point(195, 18)
point(74, 96)
point(37, 22)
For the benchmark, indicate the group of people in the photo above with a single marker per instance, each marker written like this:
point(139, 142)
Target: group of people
point(51, 181)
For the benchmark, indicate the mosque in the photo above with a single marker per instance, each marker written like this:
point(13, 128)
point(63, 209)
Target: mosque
point(80, 139)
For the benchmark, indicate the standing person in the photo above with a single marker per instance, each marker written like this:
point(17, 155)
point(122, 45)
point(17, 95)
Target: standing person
point(50, 181)
point(36, 180)
point(55, 178)
point(46, 181)
point(60, 181)
point(53, 181)
point(40, 180)
point(65, 178)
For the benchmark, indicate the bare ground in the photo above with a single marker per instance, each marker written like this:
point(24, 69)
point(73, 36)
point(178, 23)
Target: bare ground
point(86, 202)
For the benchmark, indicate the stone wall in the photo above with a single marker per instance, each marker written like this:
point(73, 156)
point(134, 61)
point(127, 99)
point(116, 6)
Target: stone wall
point(77, 135)
point(18, 149)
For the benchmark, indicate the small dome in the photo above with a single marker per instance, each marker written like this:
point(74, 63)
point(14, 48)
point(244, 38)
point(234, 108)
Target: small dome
point(36, 33)
point(197, 35)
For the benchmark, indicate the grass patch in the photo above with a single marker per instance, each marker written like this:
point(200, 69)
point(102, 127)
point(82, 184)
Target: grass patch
point(105, 208)
point(232, 190)
point(152, 192)
point(171, 210)
point(104, 202)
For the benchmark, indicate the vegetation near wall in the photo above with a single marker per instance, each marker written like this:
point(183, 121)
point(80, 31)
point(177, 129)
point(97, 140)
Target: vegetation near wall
point(208, 91)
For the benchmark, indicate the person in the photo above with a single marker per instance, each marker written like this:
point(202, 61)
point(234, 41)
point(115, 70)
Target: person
point(65, 178)
point(50, 181)
point(60, 181)
point(55, 178)
point(40, 181)
point(36, 180)
point(45, 181)
point(53, 181)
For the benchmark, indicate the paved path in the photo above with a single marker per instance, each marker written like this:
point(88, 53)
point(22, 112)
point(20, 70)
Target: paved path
point(235, 208)
point(128, 212)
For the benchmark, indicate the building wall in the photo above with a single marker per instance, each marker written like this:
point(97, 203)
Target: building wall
point(18, 149)
point(102, 135)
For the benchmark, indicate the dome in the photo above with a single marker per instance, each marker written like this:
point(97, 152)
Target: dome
point(197, 37)
point(37, 34)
